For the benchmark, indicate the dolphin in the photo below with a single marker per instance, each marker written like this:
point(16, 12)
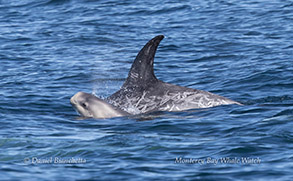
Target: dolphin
point(89, 105)
point(142, 92)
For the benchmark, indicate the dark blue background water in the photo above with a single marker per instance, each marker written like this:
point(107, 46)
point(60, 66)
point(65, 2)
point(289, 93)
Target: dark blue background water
point(50, 49)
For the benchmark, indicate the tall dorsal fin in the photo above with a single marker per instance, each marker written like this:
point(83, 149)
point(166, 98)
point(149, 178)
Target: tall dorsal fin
point(142, 69)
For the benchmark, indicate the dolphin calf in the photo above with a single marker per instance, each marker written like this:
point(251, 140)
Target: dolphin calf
point(142, 92)
point(89, 105)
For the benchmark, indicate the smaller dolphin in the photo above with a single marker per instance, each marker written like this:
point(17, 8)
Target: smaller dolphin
point(89, 105)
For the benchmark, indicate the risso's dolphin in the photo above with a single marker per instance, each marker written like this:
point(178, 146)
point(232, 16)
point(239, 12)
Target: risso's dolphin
point(89, 105)
point(142, 92)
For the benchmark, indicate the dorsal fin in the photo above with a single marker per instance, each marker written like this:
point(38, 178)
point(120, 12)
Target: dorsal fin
point(142, 69)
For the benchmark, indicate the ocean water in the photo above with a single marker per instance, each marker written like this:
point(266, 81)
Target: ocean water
point(51, 49)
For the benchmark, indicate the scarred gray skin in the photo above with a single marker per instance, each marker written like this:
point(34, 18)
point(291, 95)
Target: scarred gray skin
point(142, 92)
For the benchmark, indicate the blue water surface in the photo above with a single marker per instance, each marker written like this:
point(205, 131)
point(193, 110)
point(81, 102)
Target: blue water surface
point(51, 49)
